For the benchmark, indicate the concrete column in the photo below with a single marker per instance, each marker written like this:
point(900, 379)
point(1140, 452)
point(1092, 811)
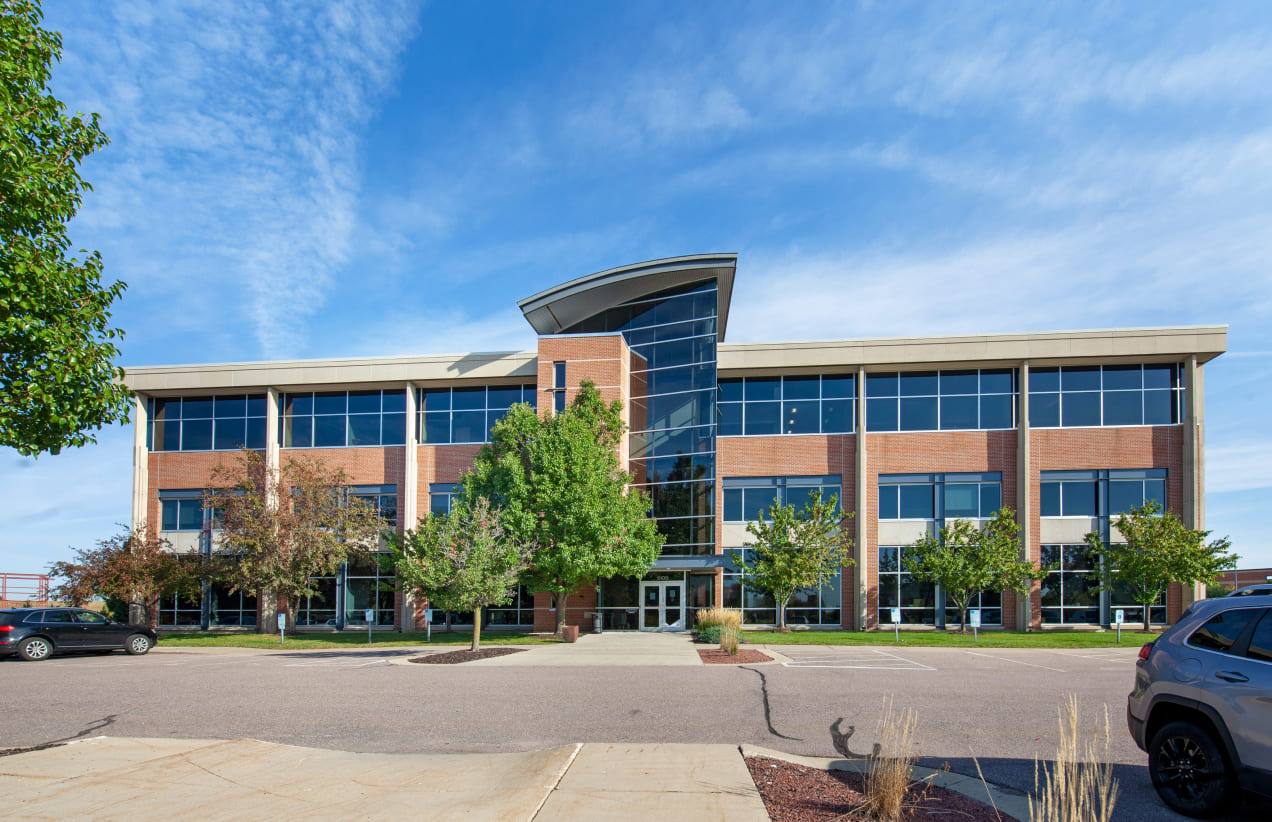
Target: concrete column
point(408, 499)
point(861, 549)
point(141, 465)
point(272, 433)
point(1194, 479)
point(267, 602)
point(1024, 511)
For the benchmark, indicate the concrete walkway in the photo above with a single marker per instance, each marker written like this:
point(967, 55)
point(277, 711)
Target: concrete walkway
point(128, 779)
point(605, 649)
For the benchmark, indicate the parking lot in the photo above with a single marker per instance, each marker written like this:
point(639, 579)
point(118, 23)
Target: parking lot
point(997, 705)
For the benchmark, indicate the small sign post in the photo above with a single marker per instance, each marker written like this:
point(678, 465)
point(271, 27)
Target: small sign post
point(896, 623)
point(282, 628)
point(973, 616)
point(370, 615)
point(428, 624)
point(1118, 616)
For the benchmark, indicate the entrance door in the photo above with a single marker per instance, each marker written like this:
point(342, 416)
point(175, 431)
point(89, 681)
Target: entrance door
point(662, 606)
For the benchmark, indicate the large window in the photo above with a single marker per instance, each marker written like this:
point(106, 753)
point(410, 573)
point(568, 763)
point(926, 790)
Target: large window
point(383, 498)
point(455, 415)
point(368, 584)
point(755, 406)
point(1070, 591)
point(229, 609)
point(809, 606)
point(441, 496)
point(941, 400)
point(1100, 493)
point(335, 419)
point(182, 513)
point(939, 496)
point(520, 611)
point(749, 498)
point(1093, 395)
point(222, 423)
point(898, 589)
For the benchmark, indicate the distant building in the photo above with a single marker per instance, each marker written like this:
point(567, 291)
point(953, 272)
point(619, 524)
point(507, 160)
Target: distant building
point(1242, 577)
point(1066, 428)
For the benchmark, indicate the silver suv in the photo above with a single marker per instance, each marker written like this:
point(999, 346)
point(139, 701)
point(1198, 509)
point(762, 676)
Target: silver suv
point(1202, 705)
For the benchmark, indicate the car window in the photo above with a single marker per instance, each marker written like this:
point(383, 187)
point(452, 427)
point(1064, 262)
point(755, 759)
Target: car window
point(57, 616)
point(1261, 640)
point(1222, 631)
point(34, 616)
point(90, 618)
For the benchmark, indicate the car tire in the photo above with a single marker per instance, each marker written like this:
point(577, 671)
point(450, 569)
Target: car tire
point(137, 644)
point(1190, 771)
point(35, 648)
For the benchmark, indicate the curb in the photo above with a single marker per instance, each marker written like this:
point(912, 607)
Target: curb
point(1006, 801)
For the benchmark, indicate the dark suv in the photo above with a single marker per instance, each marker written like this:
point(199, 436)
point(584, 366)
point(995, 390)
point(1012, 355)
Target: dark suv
point(1202, 705)
point(37, 633)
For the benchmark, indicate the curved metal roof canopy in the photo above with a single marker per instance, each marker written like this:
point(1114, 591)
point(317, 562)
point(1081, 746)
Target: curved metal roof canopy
point(561, 307)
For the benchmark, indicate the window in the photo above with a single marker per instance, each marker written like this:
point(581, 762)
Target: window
point(747, 497)
point(1075, 498)
point(809, 606)
point(941, 400)
point(520, 611)
point(898, 589)
point(1223, 630)
point(817, 404)
point(368, 584)
point(1070, 591)
point(462, 415)
point(338, 419)
point(1093, 395)
point(1100, 493)
point(1120, 599)
point(1261, 640)
point(231, 608)
point(319, 608)
point(940, 496)
point(183, 514)
point(383, 498)
point(220, 423)
point(441, 496)
point(176, 611)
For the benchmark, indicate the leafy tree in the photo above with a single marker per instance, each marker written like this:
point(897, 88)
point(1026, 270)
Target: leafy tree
point(280, 529)
point(795, 549)
point(137, 567)
point(462, 561)
point(57, 350)
point(558, 487)
point(965, 560)
point(1159, 550)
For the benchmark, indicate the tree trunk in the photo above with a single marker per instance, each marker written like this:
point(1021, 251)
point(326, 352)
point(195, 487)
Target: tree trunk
point(781, 614)
point(476, 629)
point(962, 622)
point(560, 614)
point(449, 627)
point(1147, 611)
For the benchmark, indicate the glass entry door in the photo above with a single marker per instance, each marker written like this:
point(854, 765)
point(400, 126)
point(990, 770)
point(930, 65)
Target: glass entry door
point(662, 606)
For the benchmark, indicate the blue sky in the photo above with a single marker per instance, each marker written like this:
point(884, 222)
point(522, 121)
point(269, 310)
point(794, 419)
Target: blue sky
point(296, 179)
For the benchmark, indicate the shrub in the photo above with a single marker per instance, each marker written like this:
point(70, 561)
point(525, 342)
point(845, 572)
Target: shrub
point(1078, 787)
point(890, 768)
point(708, 617)
point(729, 637)
point(710, 634)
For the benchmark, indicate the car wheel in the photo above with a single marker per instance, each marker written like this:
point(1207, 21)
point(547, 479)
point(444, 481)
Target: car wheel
point(1189, 770)
point(35, 648)
point(137, 644)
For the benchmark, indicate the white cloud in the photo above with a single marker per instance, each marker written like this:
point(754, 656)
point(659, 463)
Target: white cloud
point(1241, 466)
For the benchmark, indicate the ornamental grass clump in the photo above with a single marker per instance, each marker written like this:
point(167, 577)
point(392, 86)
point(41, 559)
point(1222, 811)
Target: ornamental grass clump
point(730, 636)
point(709, 617)
point(1078, 786)
point(890, 768)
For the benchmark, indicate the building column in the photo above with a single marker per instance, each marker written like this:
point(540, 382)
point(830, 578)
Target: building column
point(408, 499)
point(1024, 511)
point(1194, 479)
point(267, 600)
point(861, 548)
point(141, 465)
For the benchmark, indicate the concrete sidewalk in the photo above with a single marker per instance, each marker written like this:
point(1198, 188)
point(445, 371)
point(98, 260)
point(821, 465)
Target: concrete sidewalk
point(605, 649)
point(120, 778)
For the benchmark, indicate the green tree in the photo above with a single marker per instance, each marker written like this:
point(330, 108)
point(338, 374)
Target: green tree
point(277, 530)
point(1159, 549)
point(558, 487)
point(58, 379)
point(137, 567)
point(462, 561)
point(794, 549)
point(966, 560)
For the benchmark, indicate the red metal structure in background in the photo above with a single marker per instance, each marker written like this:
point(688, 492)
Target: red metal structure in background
point(24, 588)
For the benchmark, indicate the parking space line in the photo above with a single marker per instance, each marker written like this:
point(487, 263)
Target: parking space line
point(1018, 662)
point(859, 659)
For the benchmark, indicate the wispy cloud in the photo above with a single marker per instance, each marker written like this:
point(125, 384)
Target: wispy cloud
point(236, 132)
point(1238, 467)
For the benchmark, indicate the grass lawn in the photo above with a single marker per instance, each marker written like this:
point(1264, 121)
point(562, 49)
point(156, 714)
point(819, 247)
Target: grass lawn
point(953, 639)
point(347, 639)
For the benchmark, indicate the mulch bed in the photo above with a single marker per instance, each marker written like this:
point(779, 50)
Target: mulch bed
point(795, 793)
point(714, 656)
point(457, 657)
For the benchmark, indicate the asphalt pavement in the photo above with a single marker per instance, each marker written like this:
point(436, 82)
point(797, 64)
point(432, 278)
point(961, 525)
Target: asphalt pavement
point(997, 705)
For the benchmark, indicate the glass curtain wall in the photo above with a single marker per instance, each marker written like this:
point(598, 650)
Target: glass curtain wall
point(672, 337)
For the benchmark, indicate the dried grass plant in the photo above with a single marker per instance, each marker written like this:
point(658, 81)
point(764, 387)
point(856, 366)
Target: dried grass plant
point(729, 638)
point(1078, 786)
point(723, 617)
point(890, 769)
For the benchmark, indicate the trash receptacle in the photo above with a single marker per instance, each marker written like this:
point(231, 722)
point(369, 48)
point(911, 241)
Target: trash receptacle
point(596, 622)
